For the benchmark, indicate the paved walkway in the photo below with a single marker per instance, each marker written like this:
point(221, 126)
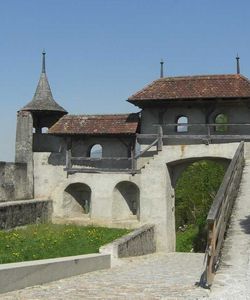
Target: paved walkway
point(232, 280)
point(156, 276)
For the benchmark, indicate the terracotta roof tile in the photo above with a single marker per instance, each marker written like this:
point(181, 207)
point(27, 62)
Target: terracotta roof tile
point(193, 87)
point(96, 124)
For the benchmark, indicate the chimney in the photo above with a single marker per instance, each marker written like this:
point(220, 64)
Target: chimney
point(161, 73)
point(238, 63)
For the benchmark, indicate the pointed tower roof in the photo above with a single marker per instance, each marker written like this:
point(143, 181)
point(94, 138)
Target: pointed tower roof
point(43, 99)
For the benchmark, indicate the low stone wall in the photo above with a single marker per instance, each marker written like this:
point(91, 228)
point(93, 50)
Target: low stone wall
point(16, 276)
point(18, 213)
point(139, 242)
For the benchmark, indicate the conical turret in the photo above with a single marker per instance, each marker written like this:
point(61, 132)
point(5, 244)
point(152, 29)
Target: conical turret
point(44, 109)
point(43, 99)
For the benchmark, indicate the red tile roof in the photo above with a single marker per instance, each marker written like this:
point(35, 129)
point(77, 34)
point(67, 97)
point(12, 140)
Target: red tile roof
point(194, 87)
point(96, 124)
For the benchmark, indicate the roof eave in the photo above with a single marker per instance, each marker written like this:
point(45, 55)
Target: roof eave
point(92, 134)
point(139, 102)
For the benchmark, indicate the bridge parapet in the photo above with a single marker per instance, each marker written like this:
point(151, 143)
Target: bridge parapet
point(220, 212)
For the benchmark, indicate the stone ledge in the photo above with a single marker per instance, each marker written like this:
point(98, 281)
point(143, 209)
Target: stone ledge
point(138, 242)
point(25, 202)
point(16, 276)
point(23, 212)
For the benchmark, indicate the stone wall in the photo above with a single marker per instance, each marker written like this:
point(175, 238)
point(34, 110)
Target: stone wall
point(20, 275)
point(19, 213)
point(139, 242)
point(13, 182)
point(51, 182)
point(24, 144)
point(110, 205)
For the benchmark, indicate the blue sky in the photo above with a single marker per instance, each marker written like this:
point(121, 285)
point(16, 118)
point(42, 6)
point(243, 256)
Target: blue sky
point(99, 52)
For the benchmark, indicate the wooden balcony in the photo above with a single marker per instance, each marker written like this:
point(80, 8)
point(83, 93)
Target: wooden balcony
point(166, 135)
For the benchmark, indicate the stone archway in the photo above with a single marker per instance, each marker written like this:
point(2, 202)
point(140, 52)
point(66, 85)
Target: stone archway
point(126, 201)
point(195, 182)
point(77, 200)
point(175, 168)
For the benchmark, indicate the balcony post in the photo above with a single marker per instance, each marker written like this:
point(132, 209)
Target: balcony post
point(69, 154)
point(160, 141)
point(133, 160)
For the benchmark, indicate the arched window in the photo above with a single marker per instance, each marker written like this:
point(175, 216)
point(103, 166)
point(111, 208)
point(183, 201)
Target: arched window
point(222, 121)
point(182, 120)
point(95, 151)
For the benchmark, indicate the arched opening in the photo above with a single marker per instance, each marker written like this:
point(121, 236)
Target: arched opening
point(40, 129)
point(126, 201)
point(183, 121)
point(77, 200)
point(222, 121)
point(195, 188)
point(95, 151)
point(45, 130)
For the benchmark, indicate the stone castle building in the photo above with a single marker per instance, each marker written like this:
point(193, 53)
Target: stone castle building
point(120, 170)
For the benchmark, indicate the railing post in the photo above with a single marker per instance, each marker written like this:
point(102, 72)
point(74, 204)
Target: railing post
point(133, 160)
point(160, 135)
point(208, 131)
point(211, 255)
point(68, 154)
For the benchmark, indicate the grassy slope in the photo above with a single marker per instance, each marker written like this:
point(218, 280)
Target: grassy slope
point(49, 240)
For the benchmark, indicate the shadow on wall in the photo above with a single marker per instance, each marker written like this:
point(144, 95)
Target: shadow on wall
point(126, 200)
point(245, 224)
point(57, 159)
point(77, 200)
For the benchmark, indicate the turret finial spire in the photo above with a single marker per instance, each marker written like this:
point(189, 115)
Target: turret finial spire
point(43, 64)
point(162, 62)
point(238, 63)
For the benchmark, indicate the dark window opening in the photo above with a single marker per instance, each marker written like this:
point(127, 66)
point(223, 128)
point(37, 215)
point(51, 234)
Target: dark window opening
point(222, 121)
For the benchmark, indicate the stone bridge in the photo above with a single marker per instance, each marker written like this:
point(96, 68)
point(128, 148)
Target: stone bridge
point(169, 275)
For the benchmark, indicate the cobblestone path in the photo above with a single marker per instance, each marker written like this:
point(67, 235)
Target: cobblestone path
point(156, 276)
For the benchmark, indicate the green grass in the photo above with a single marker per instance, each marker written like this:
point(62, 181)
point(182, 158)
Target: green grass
point(185, 240)
point(50, 240)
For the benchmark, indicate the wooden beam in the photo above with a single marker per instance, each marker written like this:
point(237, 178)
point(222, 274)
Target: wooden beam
point(201, 124)
point(83, 158)
point(146, 136)
point(69, 153)
point(100, 170)
point(146, 149)
point(133, 160)
point(220, 211)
